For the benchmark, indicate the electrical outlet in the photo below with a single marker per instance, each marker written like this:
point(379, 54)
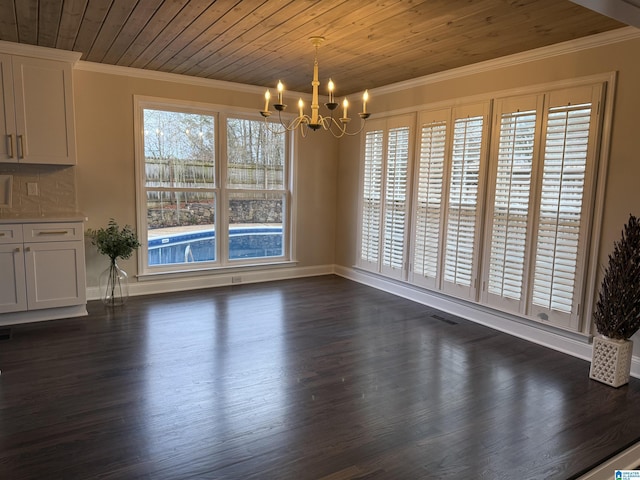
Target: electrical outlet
point(32, 189)
point(236, 279)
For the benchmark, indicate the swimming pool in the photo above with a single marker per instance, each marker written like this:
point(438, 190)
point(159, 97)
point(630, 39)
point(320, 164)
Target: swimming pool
point(200, 245)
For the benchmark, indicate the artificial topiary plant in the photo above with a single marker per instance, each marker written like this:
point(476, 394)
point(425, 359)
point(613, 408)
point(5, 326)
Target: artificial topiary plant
point(617, 313)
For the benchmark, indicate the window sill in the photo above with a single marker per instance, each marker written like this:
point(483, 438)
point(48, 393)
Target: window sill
point(225, 270)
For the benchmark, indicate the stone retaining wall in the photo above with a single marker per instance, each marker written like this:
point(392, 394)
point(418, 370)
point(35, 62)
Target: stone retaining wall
point(241, 211)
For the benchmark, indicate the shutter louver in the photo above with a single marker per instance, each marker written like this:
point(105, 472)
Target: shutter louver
point(463, 197)
point(565, 162)
point(511, 205)
point(372, 193)
point(395, 209)
point(429, 199)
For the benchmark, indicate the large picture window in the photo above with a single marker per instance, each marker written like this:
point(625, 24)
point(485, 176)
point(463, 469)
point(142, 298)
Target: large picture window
point(213, 188)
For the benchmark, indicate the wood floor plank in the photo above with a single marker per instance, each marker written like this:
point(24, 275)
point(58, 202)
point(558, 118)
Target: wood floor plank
point(316, 378)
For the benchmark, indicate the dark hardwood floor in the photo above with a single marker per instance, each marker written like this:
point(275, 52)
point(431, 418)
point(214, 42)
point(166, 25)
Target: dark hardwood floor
point(318, 378)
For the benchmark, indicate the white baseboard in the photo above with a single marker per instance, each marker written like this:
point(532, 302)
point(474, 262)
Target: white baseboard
point(626, 460)
point(29, 316)
point(168, 283)
point(577, 345)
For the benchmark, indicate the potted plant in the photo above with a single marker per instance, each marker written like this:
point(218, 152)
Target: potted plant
point(114, 242)
point(617, 312)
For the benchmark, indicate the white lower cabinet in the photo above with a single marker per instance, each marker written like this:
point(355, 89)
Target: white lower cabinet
point(43, 270)
point(13, 289)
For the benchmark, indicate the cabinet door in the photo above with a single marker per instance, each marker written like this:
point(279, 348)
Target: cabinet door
point(55, 274)
point(13, 294)
point(7, 112)
point(45, 128)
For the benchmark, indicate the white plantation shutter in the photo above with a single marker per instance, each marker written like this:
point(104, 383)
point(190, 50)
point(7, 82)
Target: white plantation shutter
point(463, 209)
point(567, 173)
point(429, 198)
point(371, 198)
point(395, 203)
point(384, 198)
point(561, 206)
point(530, 242)
point(509, 226)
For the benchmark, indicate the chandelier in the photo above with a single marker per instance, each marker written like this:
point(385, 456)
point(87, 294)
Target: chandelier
point(315, 121)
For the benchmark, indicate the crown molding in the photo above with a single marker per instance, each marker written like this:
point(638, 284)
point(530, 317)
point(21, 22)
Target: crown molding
point(601, 39)
point(26, 50)
point(175, 78)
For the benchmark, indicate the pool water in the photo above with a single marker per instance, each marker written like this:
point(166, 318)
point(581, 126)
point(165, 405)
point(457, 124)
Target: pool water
point(200, 246)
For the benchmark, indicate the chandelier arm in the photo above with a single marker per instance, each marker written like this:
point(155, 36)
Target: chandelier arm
point(342, 128)
point(362, 123)
point(292, 125)
point(269, 126)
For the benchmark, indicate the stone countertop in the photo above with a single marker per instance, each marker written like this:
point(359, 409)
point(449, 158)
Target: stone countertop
point(6, 217)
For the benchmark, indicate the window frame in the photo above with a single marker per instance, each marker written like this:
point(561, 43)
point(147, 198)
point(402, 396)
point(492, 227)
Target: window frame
point(222, 261)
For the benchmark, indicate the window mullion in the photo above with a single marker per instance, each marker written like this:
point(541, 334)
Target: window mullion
point(222, 213)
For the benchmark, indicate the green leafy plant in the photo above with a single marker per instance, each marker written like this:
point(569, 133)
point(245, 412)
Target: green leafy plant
point(617, 312)
point(113, 241)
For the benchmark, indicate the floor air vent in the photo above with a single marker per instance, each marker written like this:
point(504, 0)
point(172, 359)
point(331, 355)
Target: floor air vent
point(5, 333)
point(445, 320)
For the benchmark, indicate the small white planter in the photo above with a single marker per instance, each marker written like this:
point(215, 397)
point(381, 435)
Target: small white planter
point(611, 362)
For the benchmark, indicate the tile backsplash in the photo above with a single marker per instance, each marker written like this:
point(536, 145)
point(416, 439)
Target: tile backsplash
point(55, 185)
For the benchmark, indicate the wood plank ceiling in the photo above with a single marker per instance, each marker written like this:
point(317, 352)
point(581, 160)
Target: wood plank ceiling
point(368, 43)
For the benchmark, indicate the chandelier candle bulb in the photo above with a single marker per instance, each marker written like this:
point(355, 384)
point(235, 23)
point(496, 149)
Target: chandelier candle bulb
point(331, 87)
point(365, 97)
point(345, 105)
point(267, 96)
point(301, 107)
point(280, 91)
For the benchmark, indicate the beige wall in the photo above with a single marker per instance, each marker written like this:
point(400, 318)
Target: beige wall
point(106, 173)
point(622, 190)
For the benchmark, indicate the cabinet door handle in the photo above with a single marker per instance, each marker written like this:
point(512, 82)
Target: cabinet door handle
point(54, 232)
point(17, 250)
point(27, 249)
point(2, 234)
point(10, 145)
point(21, 146)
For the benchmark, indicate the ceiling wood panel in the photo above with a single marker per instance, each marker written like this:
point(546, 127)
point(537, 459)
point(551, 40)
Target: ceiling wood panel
point(72, 12)
point(234, 20)
point(8, 22)
point(93, 19)
point(116, 17)
point(27, 15)
point(155, 28)
point(368, 43)
point(189, 13)
point(143, 13)
point(48, 23)
point(189, 42)
point(248, 27)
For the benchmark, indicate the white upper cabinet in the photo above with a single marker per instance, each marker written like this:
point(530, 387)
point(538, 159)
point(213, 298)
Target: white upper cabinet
point(36, 115)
